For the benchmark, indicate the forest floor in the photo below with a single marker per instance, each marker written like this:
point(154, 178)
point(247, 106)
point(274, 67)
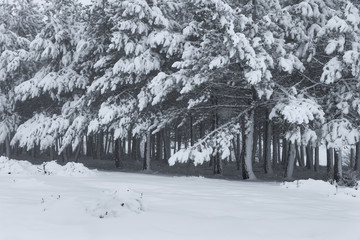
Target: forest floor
point(75, 203)
point(230, 171)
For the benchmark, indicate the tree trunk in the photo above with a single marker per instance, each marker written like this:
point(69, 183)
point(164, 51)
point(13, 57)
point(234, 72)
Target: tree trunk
point(298, 155)
point(357, 157)
point(309, 157)
point(330, 162)
point(178, 138)
point(89, 146)
point(237, 148)
point(159, 147)
point(51, 153)
point(129, 143)
point(275, 146)
point(284, 152)
point(257, 140)
point(117, 153)
point(249, 143)
point(191, 130)
point(317, 160)
point(352, 158)
point(167, 145)
point(291, 161)
point(106, 143)
point(218, 166)
point(100, 145)
point(148, 151)
point(302, 155)
point(7, 146)
point(77, 152)
point(338, 176)
point(267, 145)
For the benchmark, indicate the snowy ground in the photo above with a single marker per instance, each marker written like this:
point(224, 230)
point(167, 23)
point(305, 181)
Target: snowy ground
point(71, 203)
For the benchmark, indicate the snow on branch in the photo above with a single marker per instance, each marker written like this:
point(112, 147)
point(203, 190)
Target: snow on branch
point(340, 132)
point(54, 83)
point(298, 110)
point(41, 130)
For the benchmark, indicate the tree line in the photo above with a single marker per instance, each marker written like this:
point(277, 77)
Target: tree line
point(183, 81)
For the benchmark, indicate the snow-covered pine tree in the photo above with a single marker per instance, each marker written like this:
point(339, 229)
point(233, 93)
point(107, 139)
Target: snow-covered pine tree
point(20, 22)
point(229, 53)
point(58, 80)
point(140, 45)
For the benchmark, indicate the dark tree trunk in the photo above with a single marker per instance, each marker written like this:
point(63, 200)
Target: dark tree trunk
point(89, 146)
point(309, 157)
point(290, 162)
point(117, 153)
point(167, 145)
point(338, 176)
point(317, 159)
point(267, 145)
point(352, 158)
point(237, 150)
point(357, 157)
point(7, 146)
point(129, 143)
point(147, 164)
point(284, 152)
point(153, 145)
point(51, 153)
point(100, 145)
point(159, 146)
point(275, 146)
point(298, 155)
point(330, 162)
point(191, 130)
point(256, 148)
point(77, 152)
point(178, 138)
point(216, 159)
point(106, 143)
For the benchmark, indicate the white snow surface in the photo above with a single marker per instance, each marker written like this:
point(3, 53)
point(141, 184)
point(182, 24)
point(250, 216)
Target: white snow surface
point(116, 205)
point(16, 167)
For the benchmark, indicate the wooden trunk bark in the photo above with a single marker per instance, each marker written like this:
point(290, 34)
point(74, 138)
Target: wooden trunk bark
point(249, 144)
point(317, 159)
point(352, 158)
point(338, 175)
point(309, 157)
point(284, 152)
point(291, 161)
point(148, 152)
point(159, 147)
point(330, 162)
point(7, 146)
point(302, 155)
point(267, 145)
point(357, 157)
point(167, 145)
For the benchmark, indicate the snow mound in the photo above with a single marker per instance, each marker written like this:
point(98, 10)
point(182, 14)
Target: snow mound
point(322, 187)
point(9, 166)
point(17, 167)
point(117, 203)
point(70, 169)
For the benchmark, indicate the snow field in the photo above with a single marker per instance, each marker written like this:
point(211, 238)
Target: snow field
point(131, 206)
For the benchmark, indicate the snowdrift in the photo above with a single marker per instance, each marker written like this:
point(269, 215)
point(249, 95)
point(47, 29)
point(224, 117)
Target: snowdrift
point(319, 186)
point(17, 167)
point(116, 203)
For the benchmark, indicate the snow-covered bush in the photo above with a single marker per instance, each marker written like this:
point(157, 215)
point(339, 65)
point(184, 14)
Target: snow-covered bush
point(117, 203)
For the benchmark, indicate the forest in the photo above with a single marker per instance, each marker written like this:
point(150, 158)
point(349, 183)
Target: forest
point(179, 82)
